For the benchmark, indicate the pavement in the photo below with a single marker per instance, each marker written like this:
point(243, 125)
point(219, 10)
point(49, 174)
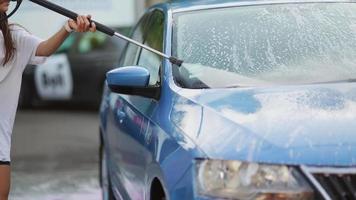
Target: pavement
point(55, 155)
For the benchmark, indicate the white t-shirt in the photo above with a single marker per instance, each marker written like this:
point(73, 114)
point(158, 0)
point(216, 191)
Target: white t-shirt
point(10, 81)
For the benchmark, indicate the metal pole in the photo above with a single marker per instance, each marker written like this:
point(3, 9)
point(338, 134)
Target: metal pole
point(141, 45)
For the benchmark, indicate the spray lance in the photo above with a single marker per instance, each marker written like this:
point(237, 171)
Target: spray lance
point(99, 27)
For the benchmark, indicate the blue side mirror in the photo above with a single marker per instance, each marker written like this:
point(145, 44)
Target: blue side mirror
point(132, 76)
point(132, 80)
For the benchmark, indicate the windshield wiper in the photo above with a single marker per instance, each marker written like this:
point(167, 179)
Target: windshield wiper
point(350, 80)
point(236, 86)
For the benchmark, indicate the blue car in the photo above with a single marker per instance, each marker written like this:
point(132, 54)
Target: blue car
point(262, 108)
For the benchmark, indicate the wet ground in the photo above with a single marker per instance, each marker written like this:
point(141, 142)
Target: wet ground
point(55, 155)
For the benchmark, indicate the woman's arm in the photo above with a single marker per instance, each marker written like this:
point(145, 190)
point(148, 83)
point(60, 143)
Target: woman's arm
point(48, 47)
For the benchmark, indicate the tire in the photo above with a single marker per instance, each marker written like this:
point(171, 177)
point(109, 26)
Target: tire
point(157, 192)
point(107, 193)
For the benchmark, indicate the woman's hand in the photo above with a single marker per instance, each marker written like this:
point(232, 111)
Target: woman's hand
point(48, 47)
point(82, 24)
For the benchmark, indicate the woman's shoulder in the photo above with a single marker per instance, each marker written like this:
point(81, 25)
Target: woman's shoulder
point(19, 33)
point(18, 29)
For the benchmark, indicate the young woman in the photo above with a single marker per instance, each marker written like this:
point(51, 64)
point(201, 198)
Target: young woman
point(17, 49)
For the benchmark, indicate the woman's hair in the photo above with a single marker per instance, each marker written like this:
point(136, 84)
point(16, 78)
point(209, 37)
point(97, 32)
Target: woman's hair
point(8, 43)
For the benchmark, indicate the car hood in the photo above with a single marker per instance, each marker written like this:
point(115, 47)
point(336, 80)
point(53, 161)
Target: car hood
point(305, 124)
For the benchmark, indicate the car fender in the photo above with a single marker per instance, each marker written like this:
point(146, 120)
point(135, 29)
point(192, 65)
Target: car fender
point(154, 172)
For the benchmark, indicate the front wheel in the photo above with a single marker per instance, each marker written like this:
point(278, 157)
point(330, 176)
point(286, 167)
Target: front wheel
point(107, 193)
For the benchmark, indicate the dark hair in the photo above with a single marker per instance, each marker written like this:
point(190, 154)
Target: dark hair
point(8, 43)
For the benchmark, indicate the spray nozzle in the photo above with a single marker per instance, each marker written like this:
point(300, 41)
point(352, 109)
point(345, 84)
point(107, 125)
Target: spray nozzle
point(176, 61)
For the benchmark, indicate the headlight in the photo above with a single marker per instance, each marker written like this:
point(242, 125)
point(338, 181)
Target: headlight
point(250, 181)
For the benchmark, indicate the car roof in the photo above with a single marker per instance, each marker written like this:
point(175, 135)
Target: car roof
point(189, 5)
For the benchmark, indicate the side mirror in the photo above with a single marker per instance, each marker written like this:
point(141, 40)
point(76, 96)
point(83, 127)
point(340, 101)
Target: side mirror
point(132, 80)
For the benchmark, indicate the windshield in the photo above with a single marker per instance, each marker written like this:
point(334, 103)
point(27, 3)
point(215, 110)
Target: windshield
point(266, 44)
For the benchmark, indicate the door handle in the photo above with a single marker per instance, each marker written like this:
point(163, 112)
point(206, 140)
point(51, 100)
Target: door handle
point(120, 115)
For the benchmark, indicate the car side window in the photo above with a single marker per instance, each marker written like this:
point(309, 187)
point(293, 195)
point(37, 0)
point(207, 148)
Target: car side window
point(132, 50)
point(154, 39)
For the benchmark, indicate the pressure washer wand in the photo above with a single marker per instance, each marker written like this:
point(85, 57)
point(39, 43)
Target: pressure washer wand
point(172, 59)
point(102, 28)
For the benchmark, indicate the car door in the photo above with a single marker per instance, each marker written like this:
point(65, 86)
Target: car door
point(130, 115)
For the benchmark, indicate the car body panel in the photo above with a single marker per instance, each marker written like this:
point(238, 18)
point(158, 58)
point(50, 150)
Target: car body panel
point(281, 124)
point(147, 145)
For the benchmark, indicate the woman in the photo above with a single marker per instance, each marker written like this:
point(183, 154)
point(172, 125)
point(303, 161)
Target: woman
point(17, 49)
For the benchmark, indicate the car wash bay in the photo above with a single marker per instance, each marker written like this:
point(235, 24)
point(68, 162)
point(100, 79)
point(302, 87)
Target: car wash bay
point(55, 155)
